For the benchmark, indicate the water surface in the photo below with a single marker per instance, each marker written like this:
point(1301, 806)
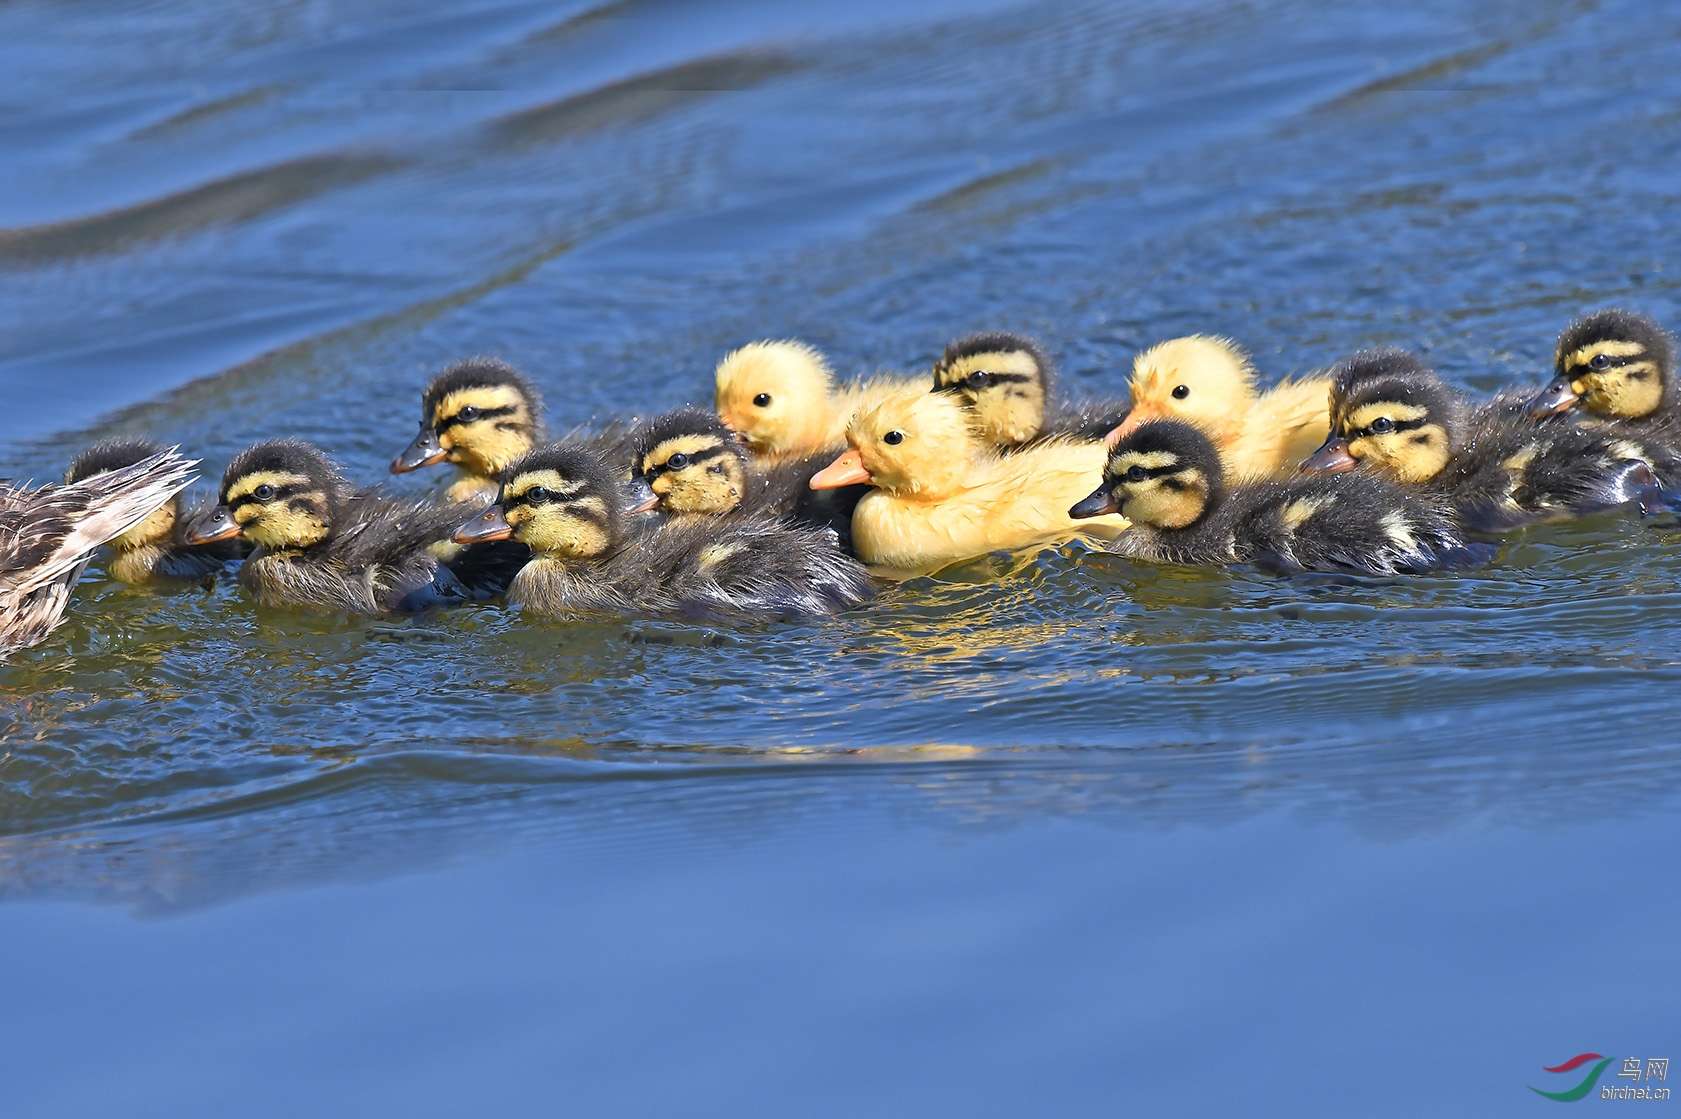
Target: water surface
point(1053, 833)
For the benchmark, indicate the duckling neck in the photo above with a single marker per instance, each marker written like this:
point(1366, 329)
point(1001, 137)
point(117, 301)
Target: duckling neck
point(473, 486)
point(137, 564)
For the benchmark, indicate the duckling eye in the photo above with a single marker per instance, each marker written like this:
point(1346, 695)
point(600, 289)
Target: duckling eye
point(1180, 392)
point(893, 438)
point(677, 461)
point(1600, 361)
point(537, 495)
point(1137, 473)
point(979, 379)
point(1383, 425)
point(468, 414)
point(264, 493)
point(762, 400)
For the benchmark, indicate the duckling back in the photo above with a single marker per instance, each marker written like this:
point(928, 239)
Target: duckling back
point(1283, 426)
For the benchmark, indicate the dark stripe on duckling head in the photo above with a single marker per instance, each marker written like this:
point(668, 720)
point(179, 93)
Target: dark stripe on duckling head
point(561, 499)
point(696, 427)
point(286, 458)
point(481, 373)
point(112, 454)
point(1164, 474)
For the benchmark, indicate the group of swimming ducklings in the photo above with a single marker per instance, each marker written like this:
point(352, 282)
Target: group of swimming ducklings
point(797, 490)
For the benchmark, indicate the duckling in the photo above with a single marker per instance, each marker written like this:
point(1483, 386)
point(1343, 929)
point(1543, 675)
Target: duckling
point(1004, 381)
point(1618, 366)
point(781, 398)
point(48, 534)
point(1167, 478)
point(1496, 467)
point(480, 414)
point(688, 462)
point(564, 504)
point(320, 545)
point(156, 548)
point(940, 496)
point(1210, 382)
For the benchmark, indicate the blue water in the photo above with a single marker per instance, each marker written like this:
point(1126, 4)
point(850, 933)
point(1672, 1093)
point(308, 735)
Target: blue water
point(1055, 834)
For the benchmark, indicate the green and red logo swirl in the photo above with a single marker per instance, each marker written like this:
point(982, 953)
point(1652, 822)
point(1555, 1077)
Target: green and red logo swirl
point(1580, 1090)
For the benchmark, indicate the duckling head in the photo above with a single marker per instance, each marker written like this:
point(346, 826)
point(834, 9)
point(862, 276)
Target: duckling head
point(1003, 379)
point(1390, 411)
point(775, 395)
point(1164, 474)
point(559, 501)
point(281, 494)
point(1614, 363)
point(687, 461)
point(909, 442)
point(480, 414)
point(1200, 379)
point(114, 454)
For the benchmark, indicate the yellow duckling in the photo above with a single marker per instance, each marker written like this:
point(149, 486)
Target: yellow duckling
point(940, 496)
point(1210, 382)
point(782, 400)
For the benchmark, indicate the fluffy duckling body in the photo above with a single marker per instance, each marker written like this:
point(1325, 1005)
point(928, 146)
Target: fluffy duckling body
point(1617, 367)
point(687, 463)
point(564, 504)
point(156, 548)
point(1210, 382)
point(47, 536)
point(1005, 383)
point(1167, 478)
point(941, 497)
point(782, 399)
point(1497, 467)
point(321, 545)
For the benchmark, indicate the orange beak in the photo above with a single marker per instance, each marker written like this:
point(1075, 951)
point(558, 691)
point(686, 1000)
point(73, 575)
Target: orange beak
point(848, 470)
point(1136, 418)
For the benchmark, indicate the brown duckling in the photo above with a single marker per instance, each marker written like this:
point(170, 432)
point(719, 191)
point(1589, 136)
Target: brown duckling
point(156, 548)
point(1497, 467)
point(1167, 478)
point(782, 399)
point(564, 504)
point(48, 534)
point(1005, 382)
point(321, 545)
point(687, 462)
point(1210, 382)
point(1618, 367)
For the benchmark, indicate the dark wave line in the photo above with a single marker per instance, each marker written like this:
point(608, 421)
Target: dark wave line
point(228, 201)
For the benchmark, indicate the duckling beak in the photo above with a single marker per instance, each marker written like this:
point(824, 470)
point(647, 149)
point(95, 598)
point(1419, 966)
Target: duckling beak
point(218, 524)
point(424, 451)
point(1555, 398)
point(1100, 502)
point(848, 470)
point(1332, 458)
point(640, 497)
point(1134, 420)
point(488, 525)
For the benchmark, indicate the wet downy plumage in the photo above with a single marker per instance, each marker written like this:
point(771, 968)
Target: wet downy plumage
point(565, 505)
point(481, 414)
point(939, 496)
point(1497, 466)
point(48, 534)
point(1616, 369)
point(783, 400)
point(322, 545)
point(1167, 478)
point(1006, 383)
point(1210, 382)
point(157, 547)
point(686, 462)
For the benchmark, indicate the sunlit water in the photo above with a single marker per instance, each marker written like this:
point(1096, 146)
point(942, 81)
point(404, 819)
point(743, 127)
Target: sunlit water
point(1086, 836)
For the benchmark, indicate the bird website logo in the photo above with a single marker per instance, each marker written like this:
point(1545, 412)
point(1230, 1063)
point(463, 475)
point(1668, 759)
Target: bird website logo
point(1654, 1069)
